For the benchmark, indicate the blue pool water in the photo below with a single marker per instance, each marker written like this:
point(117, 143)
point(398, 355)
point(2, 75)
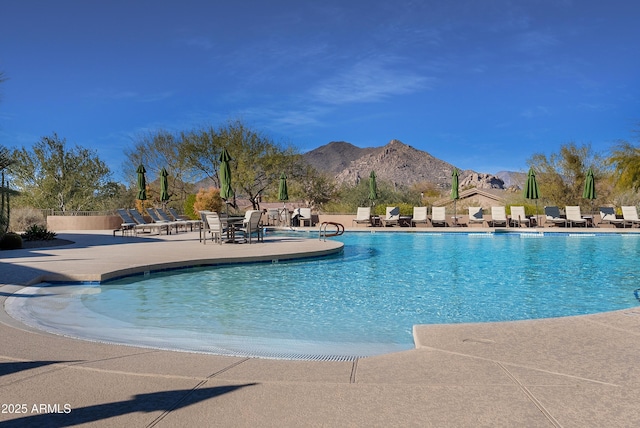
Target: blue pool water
point(362, 302)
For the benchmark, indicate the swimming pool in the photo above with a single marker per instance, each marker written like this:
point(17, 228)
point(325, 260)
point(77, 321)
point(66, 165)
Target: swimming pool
point(362, 302)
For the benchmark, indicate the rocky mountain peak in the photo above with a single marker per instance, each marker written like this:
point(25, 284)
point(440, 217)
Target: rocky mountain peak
point(396, 162)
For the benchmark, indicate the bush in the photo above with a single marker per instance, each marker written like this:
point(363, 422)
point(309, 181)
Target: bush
point(208, 200)
point(36, 232)
point(188, 207)
point(10, 241)
point(21, 218)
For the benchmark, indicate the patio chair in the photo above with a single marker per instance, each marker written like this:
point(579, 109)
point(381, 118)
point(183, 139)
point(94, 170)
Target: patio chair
point(608, 216)
point(438, 216)
point(273, 216)
point(284, 217)
point(552, 215)
point(574, 217)
point(518, 216)
point(304, 216)
point(476, 216)
point(499, 216)
point(363, 216)
point(251, 225)
point(212, 225)
point(392, 217)
point(142, 224)
point(630, 216)
point(419, 216)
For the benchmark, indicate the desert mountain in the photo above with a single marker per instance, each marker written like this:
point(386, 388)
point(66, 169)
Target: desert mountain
point(396, 162)
point(335, 156)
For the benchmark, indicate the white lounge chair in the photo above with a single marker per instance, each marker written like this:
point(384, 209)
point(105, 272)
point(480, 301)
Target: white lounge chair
point(170, 223)
point(608, 216)
point(392, 217)
point(518, 216)
point(574, 217)
point(476, 216)
point(142, 224)
point(499, 216)
point(419, 216)
point(552, 215)
point(363, 216)
point(303, 215)
point(174, 216)
point(438, 216)
point(630, 215)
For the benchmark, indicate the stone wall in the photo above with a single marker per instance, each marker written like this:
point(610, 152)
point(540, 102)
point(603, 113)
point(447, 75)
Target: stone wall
point(98, 222)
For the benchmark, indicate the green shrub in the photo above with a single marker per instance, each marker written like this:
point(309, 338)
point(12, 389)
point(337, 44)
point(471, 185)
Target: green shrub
point(188, 208)
point(10, 241)
point(36, 232)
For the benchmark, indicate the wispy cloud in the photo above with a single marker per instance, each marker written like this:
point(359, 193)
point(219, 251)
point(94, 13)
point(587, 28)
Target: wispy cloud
point(370, 81)
point(198, 42)
point(130, 95)
point(535, 41)
point(536, 111)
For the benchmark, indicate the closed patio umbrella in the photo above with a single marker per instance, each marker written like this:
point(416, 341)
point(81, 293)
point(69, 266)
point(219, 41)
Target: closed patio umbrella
point(283, 191)
point(454, 194)
point(373, 187)
point(142, 183)
point(164, 185)
point(590, 188)
point(531, 189)
point(225, 175)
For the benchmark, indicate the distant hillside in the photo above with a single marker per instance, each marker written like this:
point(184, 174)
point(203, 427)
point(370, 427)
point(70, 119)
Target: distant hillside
point(335, 156)
point(396, 162)
point(512, 179)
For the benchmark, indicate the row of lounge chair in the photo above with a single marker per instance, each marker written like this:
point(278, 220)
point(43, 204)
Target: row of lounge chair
point(133, 222)
point(573, 217)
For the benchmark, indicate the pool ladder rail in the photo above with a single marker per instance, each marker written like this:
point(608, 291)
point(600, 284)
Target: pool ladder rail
point(324, 233)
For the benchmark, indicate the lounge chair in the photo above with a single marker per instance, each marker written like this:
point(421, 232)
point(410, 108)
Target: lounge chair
point(174, 216)
point(608, 216)
point(499, 216)
point(630, 215)
point(363, 216)
point(574, 217)
point(518, 216)
point(438, 216)
point(552, 215)
point(419, 216)
point(251, 225)
point(157, 218)
point(476, 216)
point(301, 216)
point(142, 224)
point(128, 225)
point(392, 217)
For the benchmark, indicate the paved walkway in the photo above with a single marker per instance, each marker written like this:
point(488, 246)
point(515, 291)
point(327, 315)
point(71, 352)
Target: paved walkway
point(569, 372)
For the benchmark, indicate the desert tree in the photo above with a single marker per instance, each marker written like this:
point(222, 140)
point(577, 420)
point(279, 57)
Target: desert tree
point(51, 175)
point(561, 175)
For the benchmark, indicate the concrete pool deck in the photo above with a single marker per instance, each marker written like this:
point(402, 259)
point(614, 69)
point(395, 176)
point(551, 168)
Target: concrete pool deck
point(565, 372)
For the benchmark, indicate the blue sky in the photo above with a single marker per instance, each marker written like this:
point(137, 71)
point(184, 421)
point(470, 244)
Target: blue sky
point(480, 84)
